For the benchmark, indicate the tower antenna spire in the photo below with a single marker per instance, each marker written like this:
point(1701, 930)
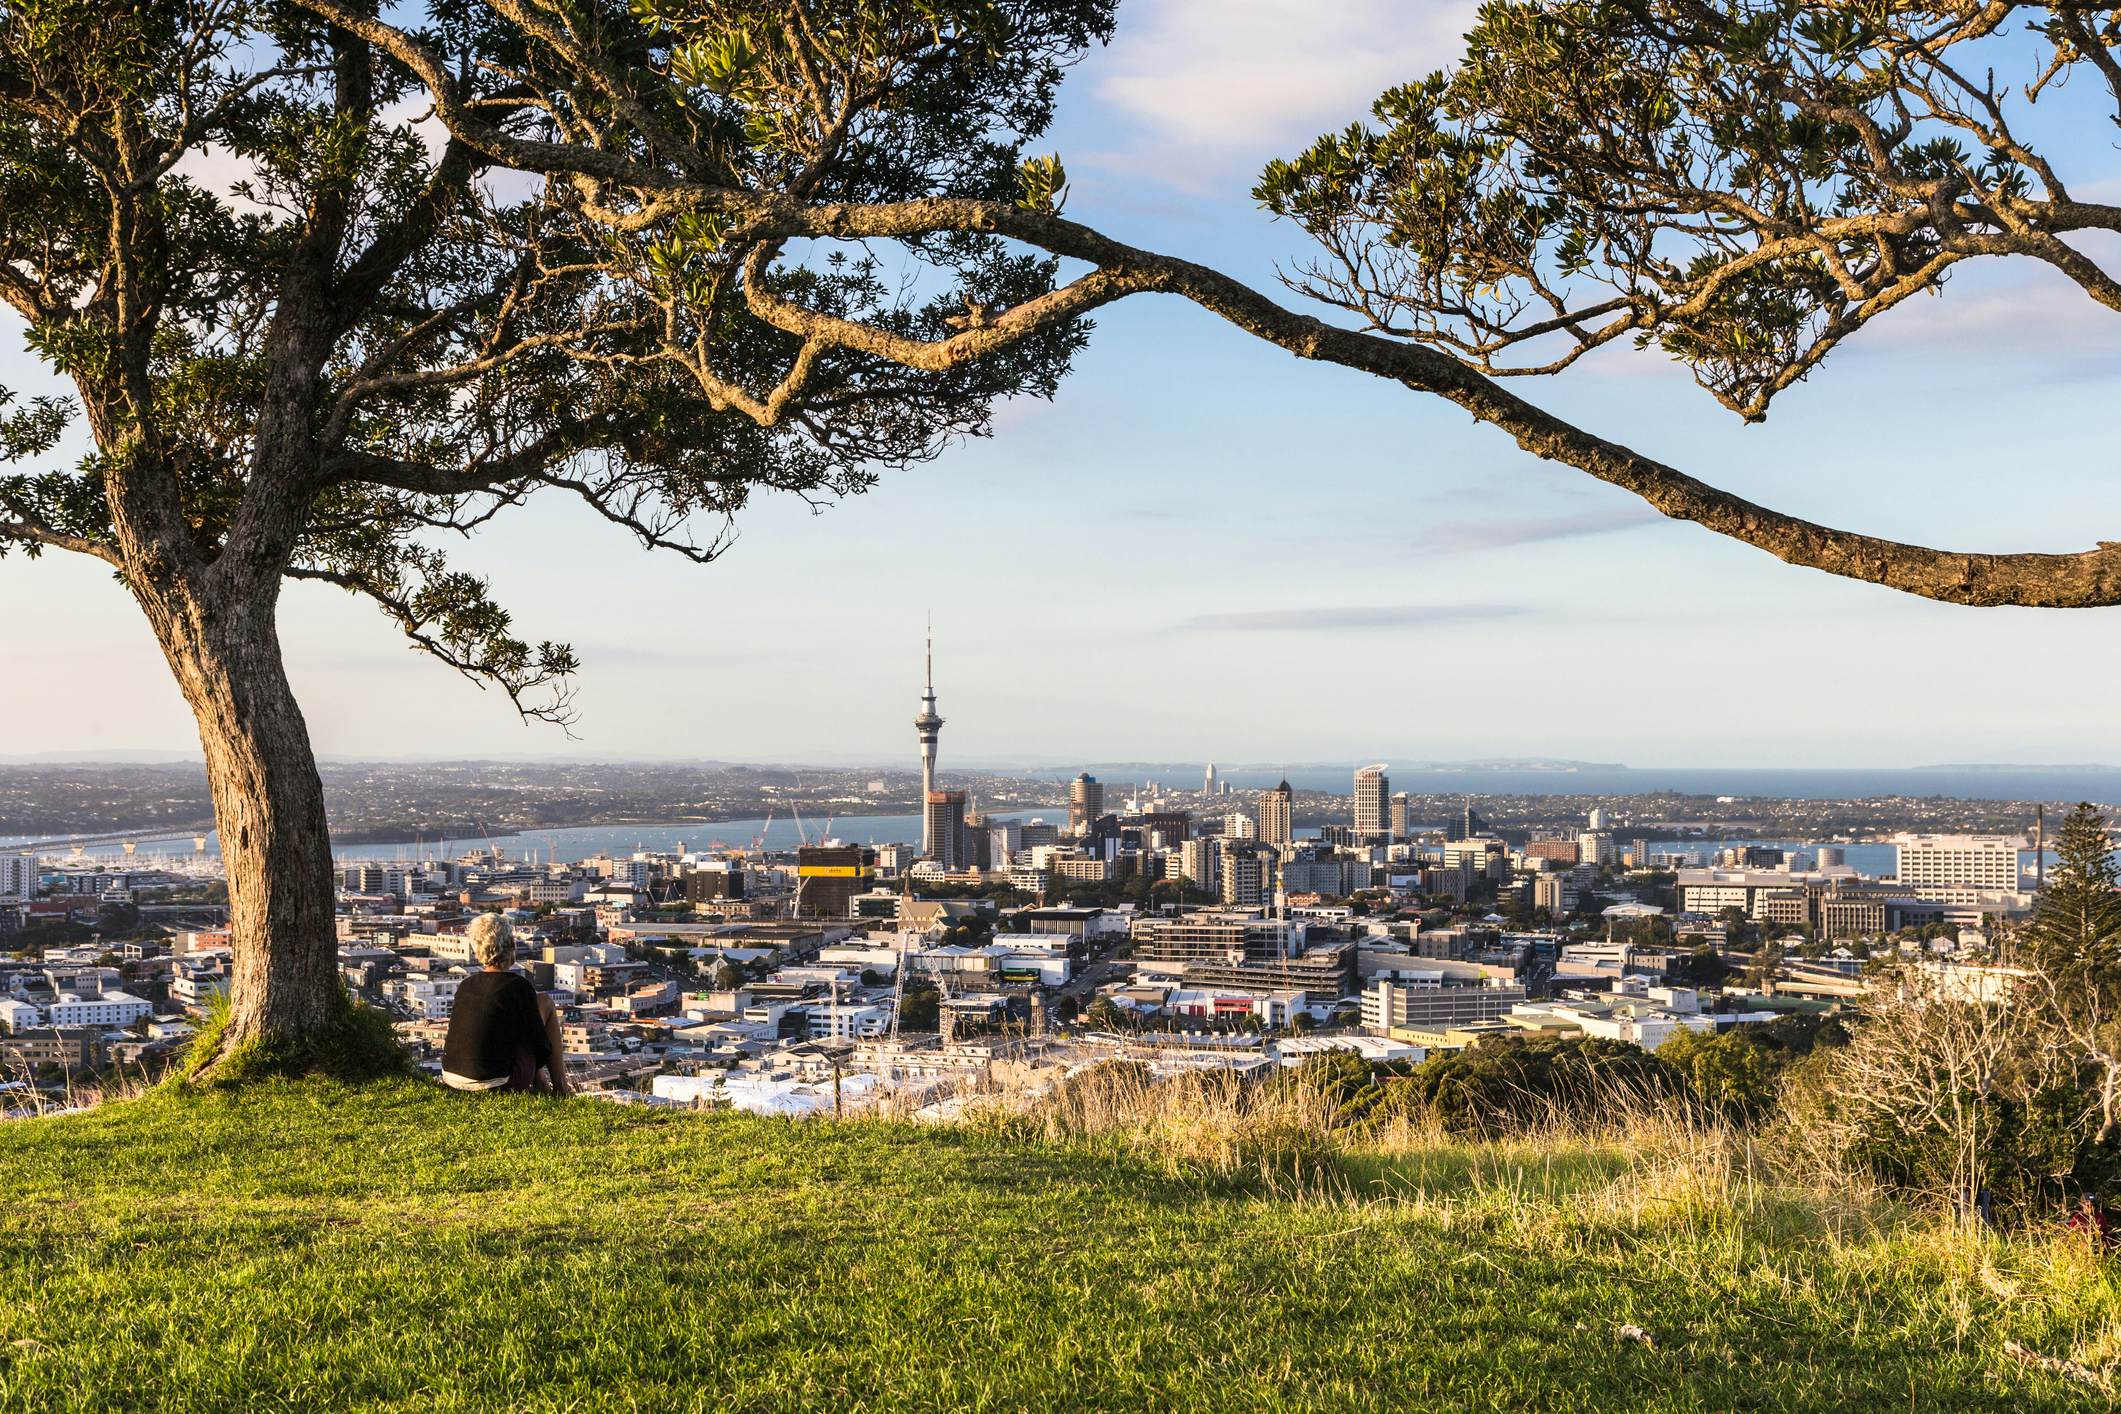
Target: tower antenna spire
point(927, 727)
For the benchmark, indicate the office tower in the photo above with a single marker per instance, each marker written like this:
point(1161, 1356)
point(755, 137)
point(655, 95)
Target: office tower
point(945, 821)
point(1471, 826)
point(1005, 840)
point(1166, 829)
point(1200, 860)
point(1402, 827)
point(828, 876)
point(1207, 785)
point(1086, 802)
point(1373, 793)
point(1276, 814)
point(1933, 865)
point(930, 726)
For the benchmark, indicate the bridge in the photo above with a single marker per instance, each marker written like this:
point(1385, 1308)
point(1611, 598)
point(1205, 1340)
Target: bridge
point(194, 835)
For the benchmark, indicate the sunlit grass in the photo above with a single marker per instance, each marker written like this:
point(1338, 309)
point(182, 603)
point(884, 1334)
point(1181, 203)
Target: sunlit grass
point(310, 1246)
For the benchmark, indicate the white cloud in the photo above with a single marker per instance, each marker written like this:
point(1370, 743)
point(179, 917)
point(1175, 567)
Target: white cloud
point(1232, 82)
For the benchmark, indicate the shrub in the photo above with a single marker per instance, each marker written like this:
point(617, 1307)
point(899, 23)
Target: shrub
point(1515, 1084)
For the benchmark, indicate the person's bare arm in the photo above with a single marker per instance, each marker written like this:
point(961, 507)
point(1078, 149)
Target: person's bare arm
point(556, 1066)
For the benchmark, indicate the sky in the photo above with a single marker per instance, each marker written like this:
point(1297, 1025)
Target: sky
point(1204, 549)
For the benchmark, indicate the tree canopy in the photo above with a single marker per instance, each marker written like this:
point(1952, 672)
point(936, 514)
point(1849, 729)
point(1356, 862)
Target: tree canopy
point(1742, 182)
point(331, 283)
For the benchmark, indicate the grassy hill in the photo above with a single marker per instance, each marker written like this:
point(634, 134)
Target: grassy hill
point(307, 1246)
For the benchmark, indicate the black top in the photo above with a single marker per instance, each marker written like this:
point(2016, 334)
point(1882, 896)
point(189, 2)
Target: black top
point(495, 1016)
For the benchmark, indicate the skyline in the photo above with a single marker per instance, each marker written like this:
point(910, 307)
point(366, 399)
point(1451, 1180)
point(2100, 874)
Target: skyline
point(1199, 529)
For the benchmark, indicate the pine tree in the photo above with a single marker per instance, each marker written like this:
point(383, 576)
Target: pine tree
point(2073, 948)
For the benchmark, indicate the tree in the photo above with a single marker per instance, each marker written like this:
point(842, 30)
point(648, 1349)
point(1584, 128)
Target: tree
point(1947, 1097)
point(920, 1008)
point(363, 342)
point(1744, 186)
point(370, 342)
point(1763, 180)
point(1105, 1015)
point(2073, 948)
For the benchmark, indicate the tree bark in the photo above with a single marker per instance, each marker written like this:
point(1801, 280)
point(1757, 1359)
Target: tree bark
point(269, 805)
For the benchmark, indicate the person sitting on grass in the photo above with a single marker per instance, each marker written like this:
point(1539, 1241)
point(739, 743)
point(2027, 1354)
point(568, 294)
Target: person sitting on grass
point(2092, 1223)
point(503, 1035)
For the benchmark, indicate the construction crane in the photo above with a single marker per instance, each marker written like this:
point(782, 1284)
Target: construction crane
point(758, 841)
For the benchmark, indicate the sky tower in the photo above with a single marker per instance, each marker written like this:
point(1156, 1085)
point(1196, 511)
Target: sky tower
point(929, 725)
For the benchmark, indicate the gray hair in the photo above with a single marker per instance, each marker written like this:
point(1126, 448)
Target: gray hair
point(493, 942)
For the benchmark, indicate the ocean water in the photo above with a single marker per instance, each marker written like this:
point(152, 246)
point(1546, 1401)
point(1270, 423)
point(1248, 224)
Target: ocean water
point(584, 841)
point(2100, 784)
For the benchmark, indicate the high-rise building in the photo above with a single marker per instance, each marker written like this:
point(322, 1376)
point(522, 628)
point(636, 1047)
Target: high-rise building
point(1373, 794)
point(1594, 847)
point(1240, 826)
point(18, 877)
point(944, 819)
point(1277, 809)
point(1402, 825)
point(1086, 802)
point(828, 876)
point(1244, 874)
point(934, 841)
point(1200, 860)
point(1931, 864)
point(1596, 819)
point(1165, 829)
point(1207, 784)
point(1471, 826)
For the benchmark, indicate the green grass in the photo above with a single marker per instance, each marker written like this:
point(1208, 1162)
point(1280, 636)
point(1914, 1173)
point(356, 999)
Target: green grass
point(303, 1245)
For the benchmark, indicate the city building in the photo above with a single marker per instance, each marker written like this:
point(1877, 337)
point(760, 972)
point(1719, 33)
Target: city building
point(1554, 851)
point(1244, 869)
point(828, 876)
point(1200, 860)
point(1277, 812)
point(943, 827)
point(1432, 1002)
point(1373, 812)
point(1930, 865)
point(18, 878)
point(1086, 803)
point(1402, 825)
point(1556, 893)
point(105, 1009)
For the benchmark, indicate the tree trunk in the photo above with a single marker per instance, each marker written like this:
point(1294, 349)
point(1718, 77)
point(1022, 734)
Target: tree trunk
point(269, 804)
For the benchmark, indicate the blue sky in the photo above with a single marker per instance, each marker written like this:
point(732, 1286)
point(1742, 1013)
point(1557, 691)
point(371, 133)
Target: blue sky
point(1204, 549)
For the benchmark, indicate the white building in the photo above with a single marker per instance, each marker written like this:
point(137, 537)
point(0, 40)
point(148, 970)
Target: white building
point(107, 1009)
point(18, 878)
point(846, 1021)
point(429, 998)
point(1930, 865)
point(16, 1015)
